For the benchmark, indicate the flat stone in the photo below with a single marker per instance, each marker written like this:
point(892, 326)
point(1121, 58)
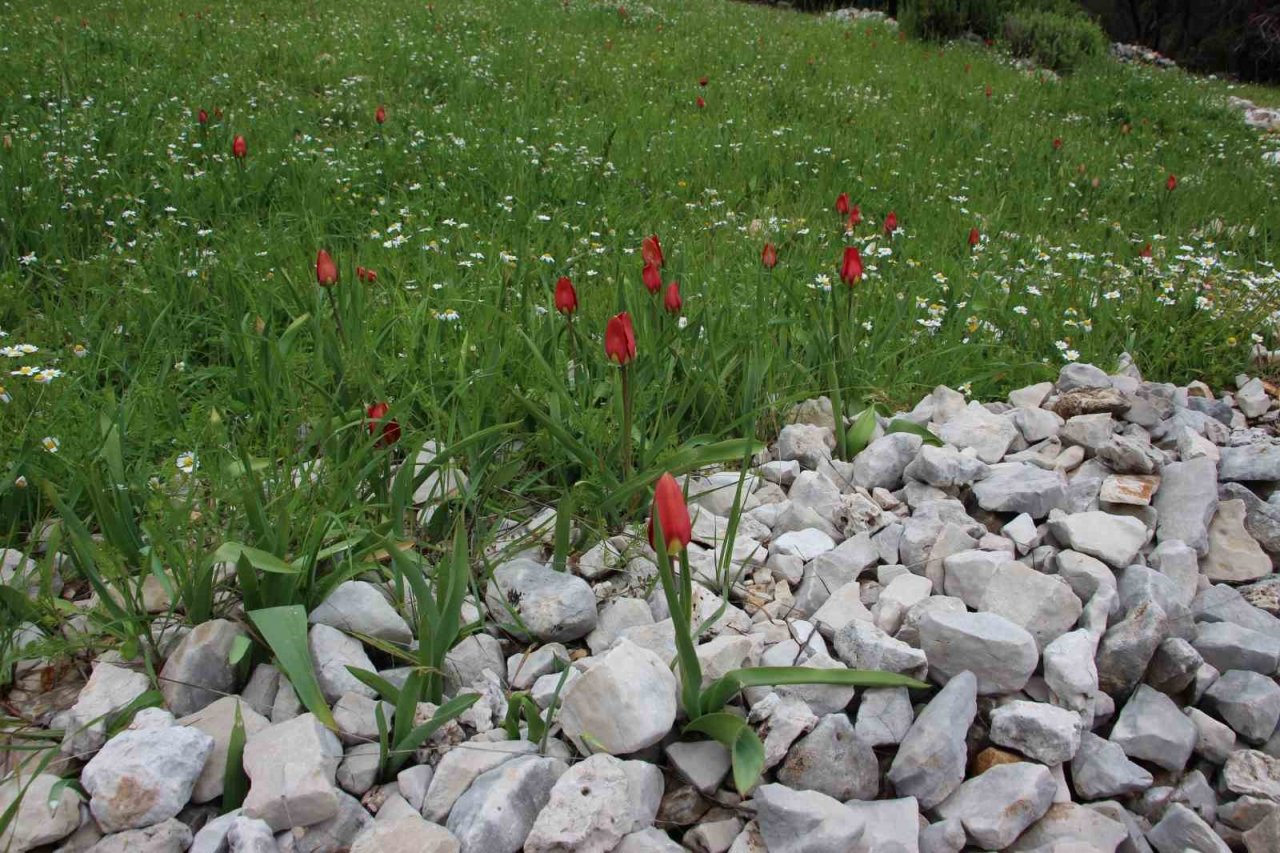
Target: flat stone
point(110, 689)
point(884, 716)
point(1246, 701)
point(1186, 502)
point(1129, 489)
point(1074, 376)
point(291, 768)
point(168, 836)
point(1264, 836)
point(217, 720)
point(892, 826)
point(551, 606)
point(1069, 669)
point(461, 766)
point(144, 776)
point(357, 607)
point(1250, 772)
point(1233, 556)
point(1222, 603)
point(945, 467)
point(703, 763)
point(997, 806)
point(881, 464)
point(1065, 824)
point(780, 721)
point(1091, 432)
point(1036, 425)
point(1215, 741)
point(864, 646)
point(39, 819)
point(1032, 396)
point(407, 834)
point(805, 544)
point(967, 573)
point(900, 595)
point(333, 652)
point(594, 804)
point(1226, 646)
point(338, 832)
point(498, 811)
point(804, 821)
point(1251, 462)
point(999, 654)
point(1181, 829)
point(989, 435)
point(1114, 539)
point(1018, 487)
point(1152, 728)
point(831, 759)
point(1039, 731)
point(930, 763)
point(1089, 401)
point(1100, 770)
point(624, 703)
point(1044, 605)
point(1173, 667)
point(1261, 519)
point(199, 670)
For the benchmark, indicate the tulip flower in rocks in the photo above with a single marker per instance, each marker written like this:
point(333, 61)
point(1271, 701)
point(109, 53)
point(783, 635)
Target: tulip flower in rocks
point(386, 429)
point(672, 513)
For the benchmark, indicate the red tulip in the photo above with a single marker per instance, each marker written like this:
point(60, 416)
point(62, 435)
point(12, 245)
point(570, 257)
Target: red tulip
point(620, 339)
point(1146, 251)
point(988, 91)
point(1171, 184)
point(202, 117)
point(974, 237)
point(701, 103)
point(652, 278)
point(703, 80)
point(380, 114)
point(855, 216)
point(651, 251)
point(390, 432)
point(851, 266)
point(842, 204)
point(769, 257)
point(566, 296)
point(891, 223)
point(1057, 143)
point(360, 273)
point(365, 274)
point(326, 269)
point(672, 514)
point(672, 301)
point(239, 148)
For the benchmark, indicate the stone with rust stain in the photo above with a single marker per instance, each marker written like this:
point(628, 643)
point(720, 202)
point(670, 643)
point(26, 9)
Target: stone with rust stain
point(1131, 489)
point(993, 756)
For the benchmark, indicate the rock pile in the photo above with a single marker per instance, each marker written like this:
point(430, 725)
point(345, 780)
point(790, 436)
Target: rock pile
point(1140, 54)
point(1085, 572)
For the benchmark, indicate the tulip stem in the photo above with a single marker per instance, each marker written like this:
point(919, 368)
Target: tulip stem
point(626, 422)
point(337, 315)
point(837, 401)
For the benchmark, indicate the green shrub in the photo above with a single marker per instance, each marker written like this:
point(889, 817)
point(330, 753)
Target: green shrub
point(936, 20)
point(1054, 39)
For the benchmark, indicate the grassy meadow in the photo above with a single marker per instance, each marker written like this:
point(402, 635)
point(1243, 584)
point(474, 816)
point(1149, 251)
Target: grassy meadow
point(175, 379)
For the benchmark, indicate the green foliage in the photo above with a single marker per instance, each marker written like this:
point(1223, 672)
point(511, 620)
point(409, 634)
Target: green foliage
point(1063, 42)
point(284, 630)
point(934, 20)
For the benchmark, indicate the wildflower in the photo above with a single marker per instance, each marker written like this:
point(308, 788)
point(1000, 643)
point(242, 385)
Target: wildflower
point(448, 315)
point(50, 444)
point(326, 269)
point(20, 482)
point(851, 266)
point(652, 278)
point(842, 204)
point(620, 339)
point(974, 237)
point(651, 251)
point(890, 223)
point(672, 301)
point(186, 462)
point(239, 148)
point(377, 415)
point(202, 117)
point(1171, 183)
point(1057, 143)
point(566, 296)
point(47, 375)
point(703, 80)
point(701, 104)
point(855, 217)
point(79, 350)
point(380, 114)
point(1146, 251)
point(769, 257)
point(672, 514)
point(4, 396)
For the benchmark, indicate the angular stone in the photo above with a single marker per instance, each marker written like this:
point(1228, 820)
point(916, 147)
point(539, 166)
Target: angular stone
point(884, 716)
point(1222, 603)
point(1074, 376)
point(930, 762)
point(1091, 432)
point(1261, 519)
point(217, 720)
point(648, 841)
point(358, 607)
point(1264, 836)
point(333, 652)
point(780, 721)
point(998, 653)
point(594, 804)
point(498, 811)
point(461, 766)
point(338, 832)
point(881, 463)
point(804, 821)
point(1036, 424)
point(39, 819)
point(1018, 487)
point(1151, 728)
point(989, 435)
point(168, 836)
point(1229, 646)
point(627, 701)
point(1215, 741)
point(946, 468)
point(1066, 824)
point(806, 544)
point(967, 573)
point(1246, 701)
point(144, 776)
point(110, 689)
point(291, 768)
point(1233, 556)
point(1181, 829)
point(407, 834)
point(1251, 462)
point(1040, 731)
point(703, 763)
point(807, 444)
point(1043, 605)
point(1128, 647)
point(1129, 489)
point(1101, 770)
point(998, 805)
point(1114, 539)
point(1186, 502)
point(832, 760)
point(1069, 669)
point(551, 606)
point(199, 670)
point(864, 646)
point(1174, 666)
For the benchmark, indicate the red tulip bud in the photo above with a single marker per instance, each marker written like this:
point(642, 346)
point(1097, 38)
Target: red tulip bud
point(700, 103)
point(703, 80)
point(672, 301)
point(1171, 183)
point(566, 296)
point(378, 422)
point(620, 339)
point(1146, 251)
point(855, 217)
point(380, 114)
point(239, 148)
point(842, 204)
point(672, 514)
point(851, 266)
point(974, 237)
point(1057, 143)
point(326, 269)
point(202, 117)
point(769, 257)
point(651, 251)
point(652, 278)
point(891, 223)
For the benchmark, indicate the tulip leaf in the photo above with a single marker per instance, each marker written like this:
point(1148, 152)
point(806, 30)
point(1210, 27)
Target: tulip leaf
point(235, 784)
point(284, 630)
point(719, 692)
point(904, 425)
point(745, 748)
point(861, 431)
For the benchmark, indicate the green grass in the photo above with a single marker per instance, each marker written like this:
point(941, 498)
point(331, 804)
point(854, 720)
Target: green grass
point(531, 140)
